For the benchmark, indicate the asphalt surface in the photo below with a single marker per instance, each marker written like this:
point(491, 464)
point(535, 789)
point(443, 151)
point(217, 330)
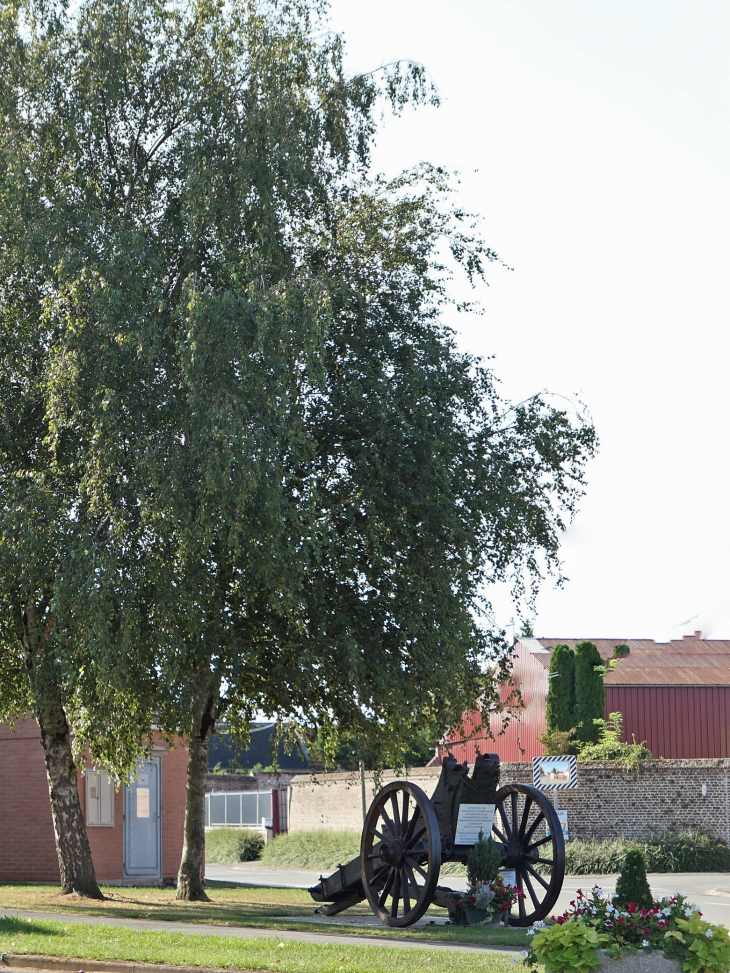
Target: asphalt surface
point(709, 891)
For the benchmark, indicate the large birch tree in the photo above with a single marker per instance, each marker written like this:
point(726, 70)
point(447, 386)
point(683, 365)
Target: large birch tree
point(273, 481)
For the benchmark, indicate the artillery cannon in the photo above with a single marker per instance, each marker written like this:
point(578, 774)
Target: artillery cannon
point(407, 837)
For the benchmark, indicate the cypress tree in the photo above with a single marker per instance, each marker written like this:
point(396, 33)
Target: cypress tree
point(590, 695)
point(560, 712)
point(632, 884)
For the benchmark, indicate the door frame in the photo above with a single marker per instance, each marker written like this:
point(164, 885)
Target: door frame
point(128, 792)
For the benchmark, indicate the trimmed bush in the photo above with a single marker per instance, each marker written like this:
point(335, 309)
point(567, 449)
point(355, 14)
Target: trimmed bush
point(560, 704)
point(226, 846)
point(483, 861)
point(632, 885)
point(322, 850)
point(590, 695)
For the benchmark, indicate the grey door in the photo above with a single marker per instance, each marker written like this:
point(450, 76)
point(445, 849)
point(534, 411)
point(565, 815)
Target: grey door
point(142, 834)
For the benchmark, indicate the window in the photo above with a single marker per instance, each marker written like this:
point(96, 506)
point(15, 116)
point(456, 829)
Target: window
point(99, 799)
point(239, 809)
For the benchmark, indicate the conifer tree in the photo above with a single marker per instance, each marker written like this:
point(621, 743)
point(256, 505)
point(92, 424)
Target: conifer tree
point(590, 695)
point(561, 692)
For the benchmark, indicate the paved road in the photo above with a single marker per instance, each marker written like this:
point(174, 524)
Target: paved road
point(710, 891)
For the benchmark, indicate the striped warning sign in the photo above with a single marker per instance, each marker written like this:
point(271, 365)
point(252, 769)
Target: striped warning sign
point(555, 773)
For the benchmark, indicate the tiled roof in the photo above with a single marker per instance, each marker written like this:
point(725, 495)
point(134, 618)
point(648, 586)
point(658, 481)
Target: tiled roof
point(689, 661)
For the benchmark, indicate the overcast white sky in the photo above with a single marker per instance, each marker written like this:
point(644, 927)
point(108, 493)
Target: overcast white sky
point(599, 129)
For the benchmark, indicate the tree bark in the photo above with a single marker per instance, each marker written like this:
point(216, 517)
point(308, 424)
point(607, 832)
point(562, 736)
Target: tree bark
point(190, 879)
point(34, 629)
point(72, 844)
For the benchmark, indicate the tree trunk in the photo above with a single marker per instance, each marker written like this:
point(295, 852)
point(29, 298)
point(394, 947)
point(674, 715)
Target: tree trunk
point(34, 629)
point(191, 877)
point(72, 843)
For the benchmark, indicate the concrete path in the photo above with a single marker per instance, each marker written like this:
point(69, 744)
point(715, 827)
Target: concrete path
point(710, 891)
point(248, 932)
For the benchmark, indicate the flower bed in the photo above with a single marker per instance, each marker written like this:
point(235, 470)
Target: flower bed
point(595, 931)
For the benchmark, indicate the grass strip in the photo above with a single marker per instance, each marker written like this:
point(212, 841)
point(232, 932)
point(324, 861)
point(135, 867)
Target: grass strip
point(226, 952)
point(259, 907)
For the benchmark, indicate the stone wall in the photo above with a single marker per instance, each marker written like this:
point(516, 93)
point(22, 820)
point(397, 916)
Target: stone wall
point(608, 802)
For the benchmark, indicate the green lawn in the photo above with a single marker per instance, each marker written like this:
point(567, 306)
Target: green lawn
point(110, 943)
point(236, 906)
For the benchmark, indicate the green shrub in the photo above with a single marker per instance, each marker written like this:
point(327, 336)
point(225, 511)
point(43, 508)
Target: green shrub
point(632, 885)
point(686, 851)
point(226, 846)
point(483, 860)
point(611, 747)
point(324, 850)
point(672, 851)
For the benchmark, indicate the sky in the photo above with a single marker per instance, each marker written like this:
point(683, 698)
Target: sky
point(592, 136)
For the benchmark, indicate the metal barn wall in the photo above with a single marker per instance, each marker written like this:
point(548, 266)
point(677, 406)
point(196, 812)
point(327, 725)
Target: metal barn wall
point(675, 721)
point(519, 740)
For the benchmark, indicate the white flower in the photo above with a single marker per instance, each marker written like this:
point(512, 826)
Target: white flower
point(514, 959)
point(594, 910)
point(530, 932)
point(597, 890)
point(646, 943)
point(709, 934)
point(688, 912)
point(523, 952)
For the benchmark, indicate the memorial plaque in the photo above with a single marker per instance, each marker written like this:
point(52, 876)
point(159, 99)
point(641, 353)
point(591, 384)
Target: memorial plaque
point(473, 818)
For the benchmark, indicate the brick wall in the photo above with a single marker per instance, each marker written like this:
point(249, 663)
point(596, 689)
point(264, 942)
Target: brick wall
point(27, 844)
point(608, 802)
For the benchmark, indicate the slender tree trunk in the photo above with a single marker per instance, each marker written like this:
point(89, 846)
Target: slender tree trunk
point(34, 629)
point(190, 878)
point(72, 844)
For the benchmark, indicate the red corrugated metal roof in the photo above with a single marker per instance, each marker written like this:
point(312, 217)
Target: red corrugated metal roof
point(689, 661)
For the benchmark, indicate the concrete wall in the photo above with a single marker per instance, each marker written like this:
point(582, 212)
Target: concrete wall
point(608, 802)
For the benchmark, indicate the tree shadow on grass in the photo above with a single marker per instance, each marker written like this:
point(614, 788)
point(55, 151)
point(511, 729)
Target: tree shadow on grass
point(12, 925)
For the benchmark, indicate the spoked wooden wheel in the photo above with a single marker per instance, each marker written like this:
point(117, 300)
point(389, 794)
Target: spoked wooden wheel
point(400, 854)
point(521, 822)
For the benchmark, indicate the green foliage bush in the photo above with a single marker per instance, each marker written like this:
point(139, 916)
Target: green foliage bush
point(323, 850)
point(671, 851)
point(632, 885)
point(610, 746)
point(483, 861)
point(226, 846)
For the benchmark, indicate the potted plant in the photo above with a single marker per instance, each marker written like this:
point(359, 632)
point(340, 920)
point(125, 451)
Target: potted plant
point(487, 898)
point(600, 934)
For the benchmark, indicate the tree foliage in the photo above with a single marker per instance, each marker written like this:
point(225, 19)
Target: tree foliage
point(590, 694)
point(560, 705)
point(245, 465)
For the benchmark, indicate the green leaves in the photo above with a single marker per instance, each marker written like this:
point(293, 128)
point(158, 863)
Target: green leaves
point(239, 443)
point(571, 946)
point(702, 946)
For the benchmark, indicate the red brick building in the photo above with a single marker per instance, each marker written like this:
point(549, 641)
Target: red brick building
point(673, 695)
point(135, 833)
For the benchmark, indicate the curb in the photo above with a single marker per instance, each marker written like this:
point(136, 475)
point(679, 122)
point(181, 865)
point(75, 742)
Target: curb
point(56, 963)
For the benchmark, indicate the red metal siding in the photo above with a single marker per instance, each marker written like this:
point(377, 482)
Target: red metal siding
point(675, 721)
point(518, 742)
